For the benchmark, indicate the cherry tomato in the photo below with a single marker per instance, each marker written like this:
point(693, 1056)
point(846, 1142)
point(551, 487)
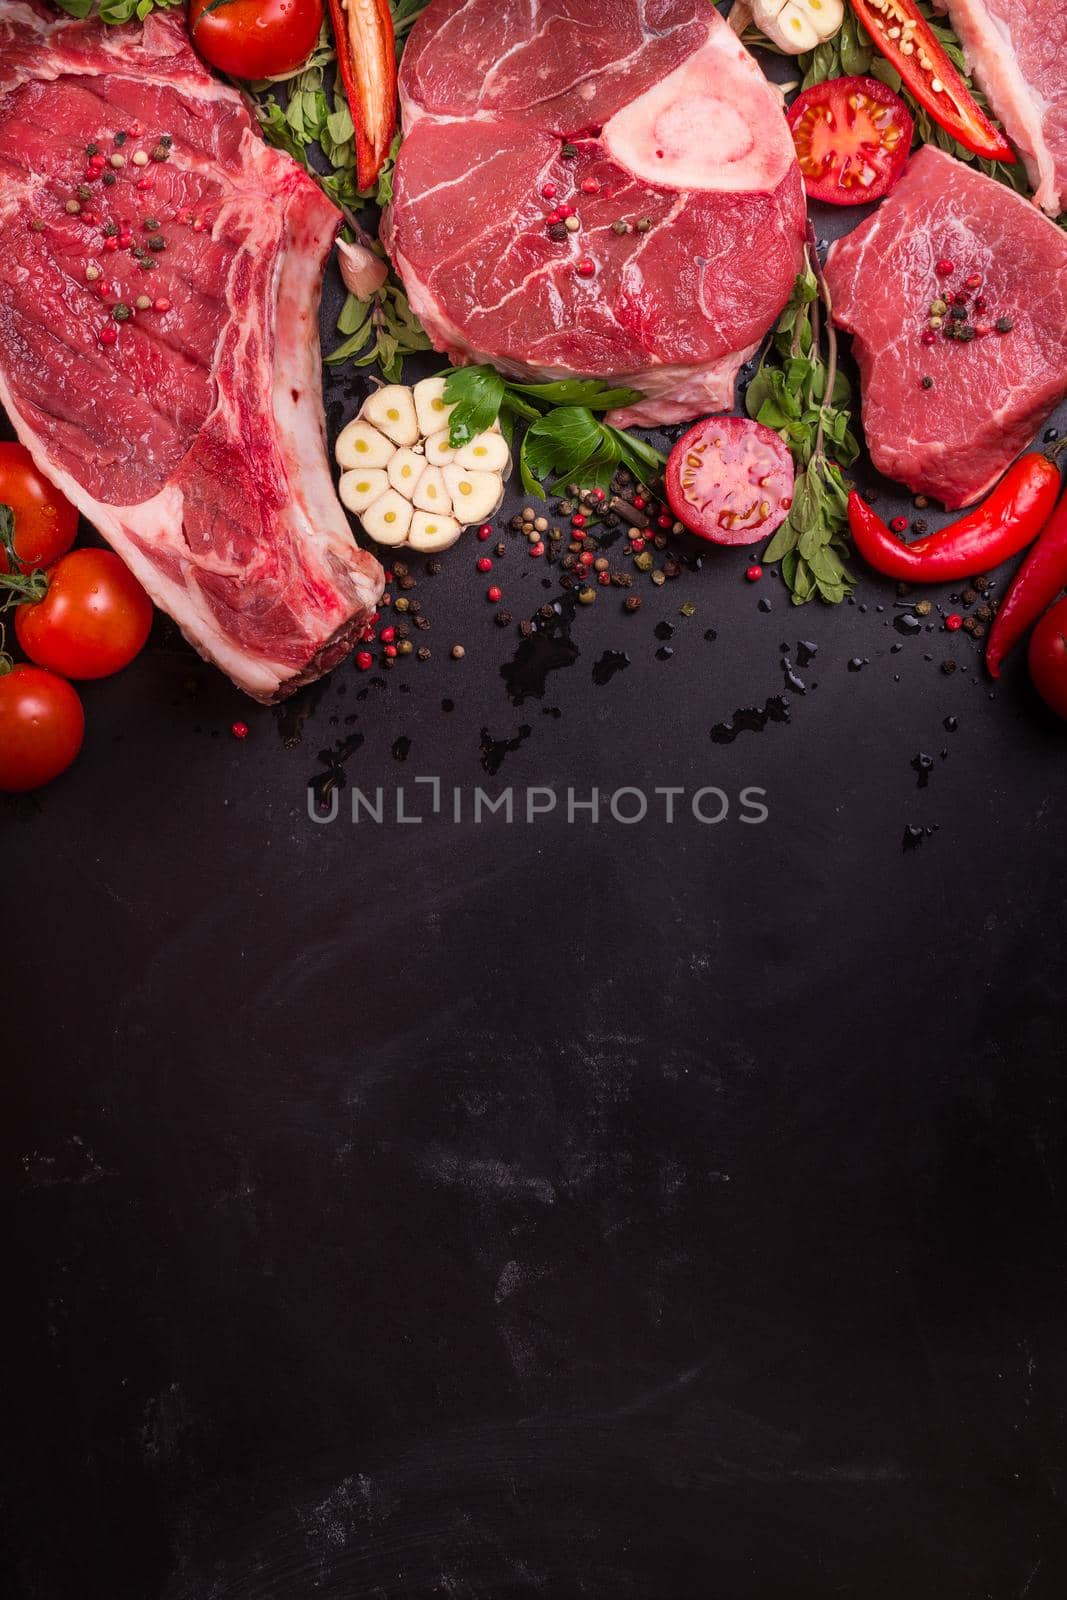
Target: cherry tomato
point(730, 480)
point(255, 38)
point(852, 137)
point(41, 728)
point(94, 619)
point(1048, 658)
point(45, 521)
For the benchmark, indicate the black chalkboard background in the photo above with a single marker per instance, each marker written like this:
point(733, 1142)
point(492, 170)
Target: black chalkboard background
point(492, 1210)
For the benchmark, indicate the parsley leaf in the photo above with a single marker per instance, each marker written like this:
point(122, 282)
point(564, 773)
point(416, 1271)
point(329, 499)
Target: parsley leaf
point(565, 441)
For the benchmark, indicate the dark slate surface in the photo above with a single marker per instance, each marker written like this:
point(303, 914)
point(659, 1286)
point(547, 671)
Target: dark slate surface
point(485, 1211)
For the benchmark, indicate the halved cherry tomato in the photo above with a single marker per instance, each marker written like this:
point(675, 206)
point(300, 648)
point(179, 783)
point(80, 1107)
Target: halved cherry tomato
point(93, 620)
point(730, 480)
point(852, 137)
point(41, 727)
point(905, 38)
point(45, 520)
point(255, 38)
point(1048, 658)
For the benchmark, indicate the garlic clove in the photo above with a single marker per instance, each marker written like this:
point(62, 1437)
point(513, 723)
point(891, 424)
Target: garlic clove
point(392, 411)
point(362, 272)
point(431, 532)
point(487, 452)
point(359, 489)
point(360, 445)
point(475, 495)
point(439, 452)
point(389, 518)
point(431, 493)
point(431, 406)
point(405, 470)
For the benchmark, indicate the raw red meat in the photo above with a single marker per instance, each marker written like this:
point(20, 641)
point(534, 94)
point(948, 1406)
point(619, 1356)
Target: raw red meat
point(954, 438)
point(1017, 50)
point(195, 441)
point(670, 124)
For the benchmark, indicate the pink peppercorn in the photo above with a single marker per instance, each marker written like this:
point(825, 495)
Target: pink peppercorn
point(637, 543)
point(639, 502)
point(664, 521)
point(587, 558)
point(494, 595)
point(590, 186)
point(484, 564)
point(565, 212)
point(112, 243)
point(364, 660)
point(603, 578)
point(390, 652)
point(899, 524)
point(578, 520)
point(537, 549)
point(945, 268)
point(108, 335)
point(388, 635)
point(586, 267)
point(162, 304)
point(954, 622)
point(549, 191)
point(929, 336)
point(239, 730)
point(754, 573)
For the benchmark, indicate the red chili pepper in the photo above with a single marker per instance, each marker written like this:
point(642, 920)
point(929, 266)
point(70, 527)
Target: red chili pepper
point(924, 65)
point(1003, 525)
point(1036, 584)
point(366, 59)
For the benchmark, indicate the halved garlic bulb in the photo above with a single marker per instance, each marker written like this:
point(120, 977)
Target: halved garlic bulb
point(402, 477)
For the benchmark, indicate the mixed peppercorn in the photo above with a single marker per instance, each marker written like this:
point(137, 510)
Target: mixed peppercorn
point(961, 313)
point(564, 220)
point(109, 161)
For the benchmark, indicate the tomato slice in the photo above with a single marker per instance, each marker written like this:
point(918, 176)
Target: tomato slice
point(852, 137)
point(905, 38)
point(730, 480)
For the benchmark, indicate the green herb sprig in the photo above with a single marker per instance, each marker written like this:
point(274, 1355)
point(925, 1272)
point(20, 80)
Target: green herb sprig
point(115, 12)
point(565, 441)
point(804, 396)
point(381, 330)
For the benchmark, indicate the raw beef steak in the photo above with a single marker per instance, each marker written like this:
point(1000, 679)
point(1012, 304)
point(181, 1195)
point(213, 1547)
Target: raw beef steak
point(989, 390)
point(651, 122)
point(1017, 50)
point(190, 433)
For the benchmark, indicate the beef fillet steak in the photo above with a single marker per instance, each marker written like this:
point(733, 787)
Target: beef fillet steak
point(947, 414)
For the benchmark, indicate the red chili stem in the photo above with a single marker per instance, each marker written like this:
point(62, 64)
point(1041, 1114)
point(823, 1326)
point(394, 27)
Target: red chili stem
point(1036, 584)
point(1003, 525)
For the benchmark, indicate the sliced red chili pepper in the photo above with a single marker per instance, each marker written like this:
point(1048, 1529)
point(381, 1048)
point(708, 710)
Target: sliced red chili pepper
point(905, 38)
point(999, 528)
point(1036, 584)
point(366, 59)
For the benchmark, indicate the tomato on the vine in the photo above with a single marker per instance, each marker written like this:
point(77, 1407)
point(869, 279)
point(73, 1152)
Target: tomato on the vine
point(41, 727)
point(45, 520)
point(92, 621)
point(255, 38)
